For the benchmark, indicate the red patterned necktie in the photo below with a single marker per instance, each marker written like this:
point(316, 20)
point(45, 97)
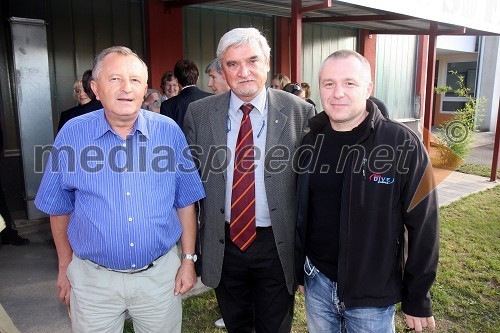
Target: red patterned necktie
point(242, 230)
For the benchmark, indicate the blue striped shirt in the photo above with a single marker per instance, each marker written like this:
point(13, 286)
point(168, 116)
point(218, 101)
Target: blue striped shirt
point(122, 195)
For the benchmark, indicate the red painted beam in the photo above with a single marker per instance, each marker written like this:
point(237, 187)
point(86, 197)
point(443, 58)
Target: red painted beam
point(324, 5)
point(296, 41)
point(368, 48)
point(182, 3)
point(421, 73)
point(282, 41)
point(359, 18)
point(429, 89)
point(161, 56)
point(496, 149)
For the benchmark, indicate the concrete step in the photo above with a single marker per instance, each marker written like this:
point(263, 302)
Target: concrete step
point(35, 230)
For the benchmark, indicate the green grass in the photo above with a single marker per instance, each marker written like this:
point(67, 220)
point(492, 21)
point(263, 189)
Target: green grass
point(476, 169)
point(466, 295)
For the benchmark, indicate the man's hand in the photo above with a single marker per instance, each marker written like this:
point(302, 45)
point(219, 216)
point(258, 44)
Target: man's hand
point(302, 289)
point(186, 277)
point(63, 286)
point(418, 323)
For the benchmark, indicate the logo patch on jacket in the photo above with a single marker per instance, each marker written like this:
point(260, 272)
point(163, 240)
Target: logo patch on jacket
point(379, 179)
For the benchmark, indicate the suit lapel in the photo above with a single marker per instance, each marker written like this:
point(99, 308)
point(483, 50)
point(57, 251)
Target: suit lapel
point(218, 124)
point(276, 120)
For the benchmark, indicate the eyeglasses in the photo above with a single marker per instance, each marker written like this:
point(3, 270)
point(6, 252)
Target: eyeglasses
point(292, 88)
point(297, 86)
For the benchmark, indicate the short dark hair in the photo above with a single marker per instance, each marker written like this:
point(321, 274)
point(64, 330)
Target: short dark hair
point(293, 88)
point(167, 76)
point(86, 78)
point(186, 72)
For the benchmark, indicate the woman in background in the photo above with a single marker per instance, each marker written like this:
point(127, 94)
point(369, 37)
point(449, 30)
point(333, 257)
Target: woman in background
point(279, 81)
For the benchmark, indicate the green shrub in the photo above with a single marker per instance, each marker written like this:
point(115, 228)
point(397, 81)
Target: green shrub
point(455, 134)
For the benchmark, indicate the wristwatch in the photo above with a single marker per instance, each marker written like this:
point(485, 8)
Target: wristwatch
point(192, 257)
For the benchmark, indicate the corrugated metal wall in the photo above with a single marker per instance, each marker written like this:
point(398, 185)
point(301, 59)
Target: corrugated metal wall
point(203, 28)
point(395, 74)
point(318, 42)
point(78, 30)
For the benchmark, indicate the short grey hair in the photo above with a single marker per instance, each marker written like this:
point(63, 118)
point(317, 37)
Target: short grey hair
point(243, 36)
point(99, 59)
point(344, 54)
point(215, 65)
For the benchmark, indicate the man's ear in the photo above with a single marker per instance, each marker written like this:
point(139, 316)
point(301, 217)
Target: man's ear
point(369, 89)
point(93, 86)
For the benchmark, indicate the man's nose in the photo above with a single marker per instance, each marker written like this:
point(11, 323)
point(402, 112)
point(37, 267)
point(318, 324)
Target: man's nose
point(126, 86)
point(338, 91)
point(244, 71)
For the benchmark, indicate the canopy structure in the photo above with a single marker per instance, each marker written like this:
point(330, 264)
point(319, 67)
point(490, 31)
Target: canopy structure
point(409, 17)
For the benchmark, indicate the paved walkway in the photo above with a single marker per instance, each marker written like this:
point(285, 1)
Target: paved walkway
point(28, 273)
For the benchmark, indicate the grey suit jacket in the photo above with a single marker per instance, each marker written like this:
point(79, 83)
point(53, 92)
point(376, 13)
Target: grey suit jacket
point(205, 130)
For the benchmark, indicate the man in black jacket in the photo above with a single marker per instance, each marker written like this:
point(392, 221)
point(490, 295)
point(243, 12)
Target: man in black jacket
point(78, 110)
point(359, 175)
point(187, 75)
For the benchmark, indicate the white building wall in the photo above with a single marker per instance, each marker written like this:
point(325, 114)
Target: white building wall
point(457, 43)
point(489, 81)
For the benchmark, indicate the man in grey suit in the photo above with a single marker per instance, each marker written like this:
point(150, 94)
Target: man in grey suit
point(247, 219)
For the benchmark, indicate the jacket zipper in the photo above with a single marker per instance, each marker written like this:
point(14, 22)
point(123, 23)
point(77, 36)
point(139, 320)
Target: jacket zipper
point(363, 165)
point(344, 287)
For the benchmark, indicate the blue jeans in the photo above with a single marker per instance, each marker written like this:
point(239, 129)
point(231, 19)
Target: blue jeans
point(324, 313)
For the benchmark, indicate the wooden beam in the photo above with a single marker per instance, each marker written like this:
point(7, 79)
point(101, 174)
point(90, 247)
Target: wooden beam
point(359, 18)
point(496, 149)
point(182, 3)
point(296, 42)
point(326, 4)
point(451, 32)
point(429, 90)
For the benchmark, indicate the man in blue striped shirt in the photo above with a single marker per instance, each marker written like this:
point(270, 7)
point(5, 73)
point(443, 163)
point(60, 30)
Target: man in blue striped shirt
point(120, 187)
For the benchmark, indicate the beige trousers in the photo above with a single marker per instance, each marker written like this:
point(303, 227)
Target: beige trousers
point(6, 324)
point(100, 298)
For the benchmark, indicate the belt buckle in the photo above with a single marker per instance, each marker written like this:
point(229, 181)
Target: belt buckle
point(141, 270)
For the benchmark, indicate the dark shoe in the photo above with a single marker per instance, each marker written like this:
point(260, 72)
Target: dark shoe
point(10, 237)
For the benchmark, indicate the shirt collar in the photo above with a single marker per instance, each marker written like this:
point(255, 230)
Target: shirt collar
point(103, 126)
point(259, 102)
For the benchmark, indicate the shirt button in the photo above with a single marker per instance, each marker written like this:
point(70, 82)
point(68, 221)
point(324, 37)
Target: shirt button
point(130, 219)
point(125, 169)
point(131, 244)
point(128, 193)
point(133, 265)
point(124, 144)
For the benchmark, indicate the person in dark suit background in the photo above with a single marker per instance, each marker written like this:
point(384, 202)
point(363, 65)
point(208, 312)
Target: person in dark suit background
point(187, 75)
point(8, 235)
point(254, 282)
point(381, 106)
point(76, 111)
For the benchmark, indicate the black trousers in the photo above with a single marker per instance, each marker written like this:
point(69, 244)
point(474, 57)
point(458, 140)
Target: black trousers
point(252, 293)
point(4, 210)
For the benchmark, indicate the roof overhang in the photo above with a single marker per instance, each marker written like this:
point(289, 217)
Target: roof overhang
point(453, 17)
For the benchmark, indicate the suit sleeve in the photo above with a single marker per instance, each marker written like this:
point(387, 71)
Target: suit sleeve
point(420, 217)
point(165, 109)
point(188, 126)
